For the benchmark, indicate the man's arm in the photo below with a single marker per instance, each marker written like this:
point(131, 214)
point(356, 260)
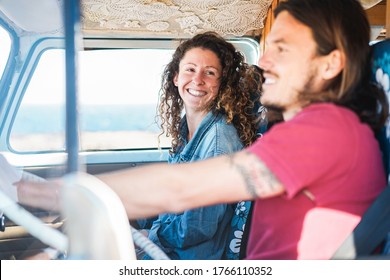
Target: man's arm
point(259, 181)
point(160, 188)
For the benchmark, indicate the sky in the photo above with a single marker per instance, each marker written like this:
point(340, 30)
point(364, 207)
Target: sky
point(127, 77)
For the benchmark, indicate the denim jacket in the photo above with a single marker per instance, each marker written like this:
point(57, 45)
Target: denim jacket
point(199, 233)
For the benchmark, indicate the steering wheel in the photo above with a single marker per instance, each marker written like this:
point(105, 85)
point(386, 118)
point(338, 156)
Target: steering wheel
point(96, 224)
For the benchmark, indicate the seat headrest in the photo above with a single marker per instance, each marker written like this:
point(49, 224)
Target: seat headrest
point(381, 64)
point(380, 73)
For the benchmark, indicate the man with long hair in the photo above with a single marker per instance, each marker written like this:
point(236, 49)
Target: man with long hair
point(313, 175)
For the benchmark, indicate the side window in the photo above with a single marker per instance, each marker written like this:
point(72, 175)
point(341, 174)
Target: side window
point(40, 121)
point(119, 92)
point(5, 49)
point(118, 95)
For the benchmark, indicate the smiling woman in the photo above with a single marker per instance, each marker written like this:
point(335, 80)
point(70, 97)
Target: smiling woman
point(122, 49)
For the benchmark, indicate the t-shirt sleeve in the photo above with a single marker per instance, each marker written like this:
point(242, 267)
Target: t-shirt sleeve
point(298, 153)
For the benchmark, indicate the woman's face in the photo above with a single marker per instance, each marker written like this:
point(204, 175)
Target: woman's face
point(198, 79)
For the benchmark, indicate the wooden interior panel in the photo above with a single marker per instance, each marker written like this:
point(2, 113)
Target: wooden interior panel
point(388, 20)
point(377, 14)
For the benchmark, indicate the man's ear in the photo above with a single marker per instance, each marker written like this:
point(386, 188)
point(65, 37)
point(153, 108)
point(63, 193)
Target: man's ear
point(334, 63)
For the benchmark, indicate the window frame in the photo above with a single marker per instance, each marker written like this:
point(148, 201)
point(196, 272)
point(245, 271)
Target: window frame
point(28, 57)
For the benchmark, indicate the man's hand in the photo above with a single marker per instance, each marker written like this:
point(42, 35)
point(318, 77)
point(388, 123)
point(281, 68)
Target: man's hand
point(9, 175)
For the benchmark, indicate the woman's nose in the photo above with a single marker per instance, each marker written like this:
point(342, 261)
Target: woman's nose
point(197, 79)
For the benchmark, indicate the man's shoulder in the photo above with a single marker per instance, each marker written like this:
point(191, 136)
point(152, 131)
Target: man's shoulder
point(328, 113)
point(330, 108)
point(321, 122)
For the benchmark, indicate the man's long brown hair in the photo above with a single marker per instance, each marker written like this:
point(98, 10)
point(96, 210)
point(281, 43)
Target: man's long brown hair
point(343, 25)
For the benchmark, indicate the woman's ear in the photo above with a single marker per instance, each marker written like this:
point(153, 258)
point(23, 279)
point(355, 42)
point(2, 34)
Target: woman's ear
point(175, 80)
point(334, 64)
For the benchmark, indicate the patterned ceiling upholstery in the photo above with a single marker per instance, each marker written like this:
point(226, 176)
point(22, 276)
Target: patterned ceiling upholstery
point(174, 17)
point(369, 3)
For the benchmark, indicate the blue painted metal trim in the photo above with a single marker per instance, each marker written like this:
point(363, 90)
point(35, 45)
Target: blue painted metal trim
point(72, 26)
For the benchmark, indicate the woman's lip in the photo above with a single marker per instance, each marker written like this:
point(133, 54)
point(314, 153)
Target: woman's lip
point(197, 93)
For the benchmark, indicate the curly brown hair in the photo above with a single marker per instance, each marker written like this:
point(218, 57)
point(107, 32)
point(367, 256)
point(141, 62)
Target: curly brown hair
point(237, 98)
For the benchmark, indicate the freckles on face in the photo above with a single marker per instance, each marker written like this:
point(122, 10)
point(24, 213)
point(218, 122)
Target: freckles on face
point(198, 80)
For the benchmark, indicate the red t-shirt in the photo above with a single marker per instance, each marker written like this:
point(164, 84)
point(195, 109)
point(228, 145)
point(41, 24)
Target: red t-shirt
point(331, 167)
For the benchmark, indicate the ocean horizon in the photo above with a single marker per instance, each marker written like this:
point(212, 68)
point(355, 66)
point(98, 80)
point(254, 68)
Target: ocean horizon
point(51, 118)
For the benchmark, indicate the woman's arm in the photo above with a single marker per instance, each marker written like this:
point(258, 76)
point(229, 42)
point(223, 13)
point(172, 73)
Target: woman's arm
point(192, 227)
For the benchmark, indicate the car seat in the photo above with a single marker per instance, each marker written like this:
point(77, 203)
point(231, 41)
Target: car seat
point(372, 234)
point(238, 231)
point(239, 226)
